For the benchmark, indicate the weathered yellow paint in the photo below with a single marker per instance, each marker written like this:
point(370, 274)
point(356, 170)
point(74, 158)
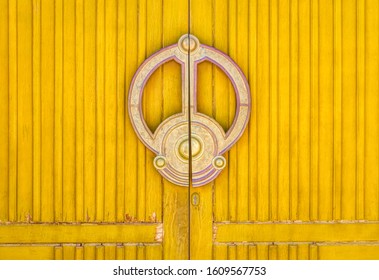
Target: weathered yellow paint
point(28, 252)
point(175, 199)
point(201, 215)
point(89, 111)
point(4, 111)
point(50, 233)
point(312, 67)
point(68, 152)
point(305, 232)
point(47, 113)
point(349, 252)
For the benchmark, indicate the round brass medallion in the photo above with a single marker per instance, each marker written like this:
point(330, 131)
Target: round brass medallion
point(183, 147)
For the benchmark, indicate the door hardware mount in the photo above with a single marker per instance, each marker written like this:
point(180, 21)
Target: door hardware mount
point(171, 141)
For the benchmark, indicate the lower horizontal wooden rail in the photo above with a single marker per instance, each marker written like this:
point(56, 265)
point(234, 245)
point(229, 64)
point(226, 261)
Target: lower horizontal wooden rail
point(307, 232)
point(81, 233)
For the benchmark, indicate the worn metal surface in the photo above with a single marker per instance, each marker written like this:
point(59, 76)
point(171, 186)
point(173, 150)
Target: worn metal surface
point(171, 139)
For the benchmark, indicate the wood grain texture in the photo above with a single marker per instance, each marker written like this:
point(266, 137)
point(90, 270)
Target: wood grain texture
point(201, 215)
point(333, 232)
point(68, 152)
point(86, 233)
point(309, 67)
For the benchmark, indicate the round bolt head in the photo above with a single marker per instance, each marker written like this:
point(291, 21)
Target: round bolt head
point(188, 43)
point(219, 162)
point(159, 162)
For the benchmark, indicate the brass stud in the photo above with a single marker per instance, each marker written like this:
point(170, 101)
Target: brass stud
point(160, 162)
point(188, 43)
point(219, 162)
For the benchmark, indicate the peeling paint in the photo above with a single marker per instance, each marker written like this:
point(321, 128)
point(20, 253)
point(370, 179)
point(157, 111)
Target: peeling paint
point(214, 232)
point(159, 233)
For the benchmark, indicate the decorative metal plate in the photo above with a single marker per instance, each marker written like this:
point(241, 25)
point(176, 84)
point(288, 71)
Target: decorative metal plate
point(170, 141)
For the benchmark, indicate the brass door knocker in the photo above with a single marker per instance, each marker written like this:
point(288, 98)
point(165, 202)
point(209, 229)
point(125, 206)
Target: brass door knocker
point(170, 141)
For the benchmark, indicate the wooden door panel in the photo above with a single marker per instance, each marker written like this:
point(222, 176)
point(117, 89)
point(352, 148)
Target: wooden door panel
point(68, 151)
point(300, 183)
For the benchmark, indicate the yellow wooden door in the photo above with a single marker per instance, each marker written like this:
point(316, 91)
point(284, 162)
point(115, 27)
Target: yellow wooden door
point(302, 182)
point(75, 182)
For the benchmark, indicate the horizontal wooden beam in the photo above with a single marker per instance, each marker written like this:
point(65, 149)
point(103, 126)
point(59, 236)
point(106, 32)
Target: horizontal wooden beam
point(80, 233)
point(307, 232)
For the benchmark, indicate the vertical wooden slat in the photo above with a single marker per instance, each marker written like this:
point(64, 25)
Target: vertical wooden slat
point(90, 105)
point(220, 252)
point(130, 252)
point(272, 252)
point(69, 252)
point(141, 252)
point(262, 107)
point(349, 110)
point(154, 252)
point(110, 111)
point(283, 111)
point(303, 251)
point(100, 252)
point(203, 31)
point(121, 112)
point(58, 253)
point(273, 110)
point(79, 113)
point(294, 109)
point(69, 105)
point(361, 121)
point(253, 252)
point(242, 252)
point(282, 251)
point(201, 225)
point(304, 109)
point(175, 226)
point(47, 110)
point(4, 110)
point(232, 252)
point(58, 110)
point(221, 100)
point(175, 207)
point(325, 109)
point(141, 149)
point(201, 216)
point(337, 114)
point(120, 252)
point(79, 253)
point(232, 155)
point(100, 110)
point(24, 111)
point(253, 127)
point(242, 144)
point(371, 111)
point(130, 138)
point(314, 167)
point(110, 252)
point(89, 252)
point(262, 252)
point(313, 252)
point(153, 99)
point(36, 215)
point(292, 252)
